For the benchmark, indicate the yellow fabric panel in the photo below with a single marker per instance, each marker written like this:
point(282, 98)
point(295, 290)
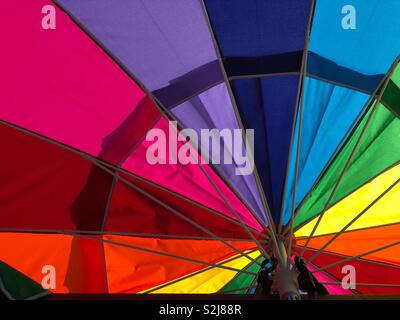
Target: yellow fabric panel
point(209, 281)
point(385, 211)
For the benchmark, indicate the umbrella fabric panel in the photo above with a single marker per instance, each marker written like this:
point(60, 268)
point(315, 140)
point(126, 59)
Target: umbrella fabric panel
point(78, 262)
point(131, 270)
point(16, 285)
point(381, 194)
point(135, 212)
point(377, 151)
point(391, 96)
point(329, 112)
point(212, 110)
point(362, 241)
point(376, 33)
point(265, 109)
point(50, 191)
point(366, 272)
point(210, 280)
point(259, 28)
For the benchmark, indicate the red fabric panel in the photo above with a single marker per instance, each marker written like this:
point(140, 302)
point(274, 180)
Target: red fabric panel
point(366, 272)
point(131, 211)
point(48, 187)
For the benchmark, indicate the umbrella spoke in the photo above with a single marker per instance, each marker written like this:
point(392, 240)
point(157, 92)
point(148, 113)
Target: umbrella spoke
point(357, 256)
point(298, 147)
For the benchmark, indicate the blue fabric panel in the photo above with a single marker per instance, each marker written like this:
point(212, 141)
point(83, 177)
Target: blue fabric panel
point(370, 48)
point(252, 28)
point(267, 106)
point(328, 113)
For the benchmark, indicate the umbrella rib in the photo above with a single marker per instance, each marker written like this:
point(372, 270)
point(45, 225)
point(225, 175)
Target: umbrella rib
point(300, 110)
point(348, 231)
point(347, 164)
point(159, 106)
point(128, 246)
point(182, 216)
point(387, 265)
point(240, 123)
point(357, 256)
point(142, 235)
point(341, 143)
point(353, 221)
point(195, 274)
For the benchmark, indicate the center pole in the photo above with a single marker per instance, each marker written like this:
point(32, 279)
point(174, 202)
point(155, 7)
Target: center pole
point(285, 276)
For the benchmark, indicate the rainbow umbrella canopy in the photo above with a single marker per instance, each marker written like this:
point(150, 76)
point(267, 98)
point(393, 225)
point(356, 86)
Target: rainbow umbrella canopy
point(83, 210)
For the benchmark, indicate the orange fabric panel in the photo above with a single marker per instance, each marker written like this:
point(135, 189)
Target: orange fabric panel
point(78, 261)
point(360, 241)
point(130, 270)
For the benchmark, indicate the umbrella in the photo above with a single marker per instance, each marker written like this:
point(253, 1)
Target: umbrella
point(200, 146)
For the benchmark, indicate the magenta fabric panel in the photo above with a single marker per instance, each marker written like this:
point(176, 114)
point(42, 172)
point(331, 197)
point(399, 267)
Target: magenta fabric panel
point(73, 93)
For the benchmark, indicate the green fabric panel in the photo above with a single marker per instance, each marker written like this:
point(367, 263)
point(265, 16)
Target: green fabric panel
point(242, 280)
point(17, 284)
point(396, 76)
point(391, 98)
point(378, 149)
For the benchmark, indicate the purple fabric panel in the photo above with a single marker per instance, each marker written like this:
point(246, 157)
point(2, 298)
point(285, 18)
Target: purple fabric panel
point(158, 40)
point(213, 109)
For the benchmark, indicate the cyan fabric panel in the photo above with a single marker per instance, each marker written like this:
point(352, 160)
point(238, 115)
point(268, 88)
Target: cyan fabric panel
point(328, 114)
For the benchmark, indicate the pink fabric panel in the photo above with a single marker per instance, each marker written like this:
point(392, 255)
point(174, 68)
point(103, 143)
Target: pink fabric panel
point(73, 92)
point(180, 178)
point(333, 289)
